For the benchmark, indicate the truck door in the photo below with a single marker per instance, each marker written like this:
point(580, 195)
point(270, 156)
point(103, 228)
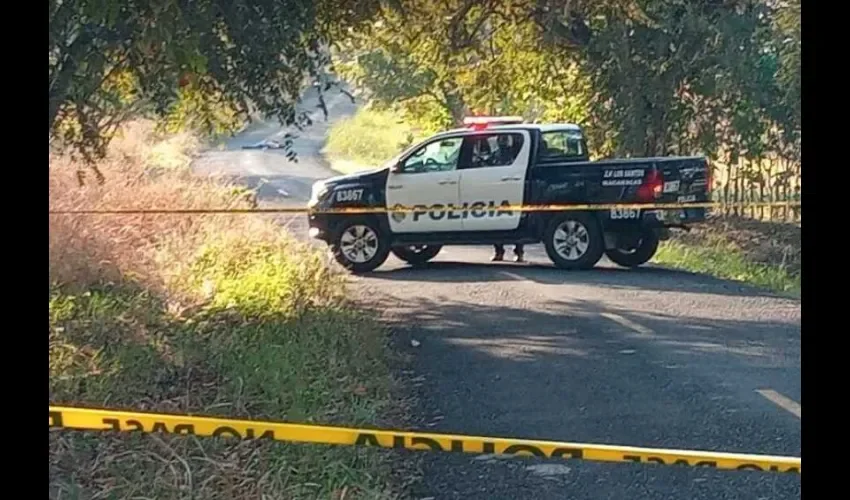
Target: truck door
point(428, 181)
point(492, 174)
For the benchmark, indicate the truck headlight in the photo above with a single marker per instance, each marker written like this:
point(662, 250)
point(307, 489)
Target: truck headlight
point(318, 191)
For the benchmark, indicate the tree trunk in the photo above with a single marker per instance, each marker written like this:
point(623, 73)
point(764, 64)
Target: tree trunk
point(57, 90)
point(761, 192)
point(785, 210)
point(457, 108)
point(728, 172)
point(739, 192)
point(733, 178)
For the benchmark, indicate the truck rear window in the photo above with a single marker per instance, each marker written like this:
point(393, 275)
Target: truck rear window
point(562, 145)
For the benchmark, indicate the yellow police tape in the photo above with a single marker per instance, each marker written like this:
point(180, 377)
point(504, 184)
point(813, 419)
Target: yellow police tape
point(124, 421)
point(404, 209)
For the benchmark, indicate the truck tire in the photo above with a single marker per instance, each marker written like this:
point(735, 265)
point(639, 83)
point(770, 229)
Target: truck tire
point(417, 254)
point(359, 245)
point(634, 257)
point(573, 240)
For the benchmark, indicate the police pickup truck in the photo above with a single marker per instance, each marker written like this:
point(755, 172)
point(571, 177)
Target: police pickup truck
point(464, 187)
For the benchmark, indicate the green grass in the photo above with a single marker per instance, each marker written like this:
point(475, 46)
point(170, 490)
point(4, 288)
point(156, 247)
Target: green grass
point(367, 140)
point(724, 261)
point(273, 340)
point(212, 315)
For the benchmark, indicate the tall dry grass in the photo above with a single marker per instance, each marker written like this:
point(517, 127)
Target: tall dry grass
point(213, 314)
point(144, 171)
point(88, 249)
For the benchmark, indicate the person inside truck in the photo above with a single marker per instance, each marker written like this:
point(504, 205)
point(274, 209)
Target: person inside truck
point(507, 150)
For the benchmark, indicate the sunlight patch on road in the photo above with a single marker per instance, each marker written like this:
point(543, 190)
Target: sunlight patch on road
point(520, 348)
point(548, 470)
point(631, 325)
point(757, 351)
point(787, 404)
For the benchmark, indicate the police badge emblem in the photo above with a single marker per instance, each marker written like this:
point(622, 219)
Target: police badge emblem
point(397, 216)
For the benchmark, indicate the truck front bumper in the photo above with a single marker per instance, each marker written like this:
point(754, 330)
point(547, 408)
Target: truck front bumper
point(319, 226)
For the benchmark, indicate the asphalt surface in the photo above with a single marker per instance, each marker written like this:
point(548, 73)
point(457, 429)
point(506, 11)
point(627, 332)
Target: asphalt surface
point(648, 357)
point(281, 183)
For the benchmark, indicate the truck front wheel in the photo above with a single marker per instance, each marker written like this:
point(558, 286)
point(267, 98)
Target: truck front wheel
point(574, 241)
point(636, 252)
point(417, 254)
point(359, 245)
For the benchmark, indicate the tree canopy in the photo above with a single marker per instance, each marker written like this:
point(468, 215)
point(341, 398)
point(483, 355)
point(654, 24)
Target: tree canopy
point(644, 77)
point(213, 60)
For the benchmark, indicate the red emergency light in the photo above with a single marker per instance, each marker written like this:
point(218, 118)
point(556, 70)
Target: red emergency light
point(482, 122)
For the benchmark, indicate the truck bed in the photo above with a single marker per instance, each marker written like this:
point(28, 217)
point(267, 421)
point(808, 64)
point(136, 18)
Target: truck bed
point(685, 180)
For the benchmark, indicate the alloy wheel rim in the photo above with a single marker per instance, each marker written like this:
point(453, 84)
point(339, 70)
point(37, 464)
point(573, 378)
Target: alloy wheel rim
point(359, 243)
point(571, 240)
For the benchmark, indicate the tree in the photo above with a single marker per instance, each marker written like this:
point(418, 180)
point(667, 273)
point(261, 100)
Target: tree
point(109, 59)
point(788, 39)
point(440, 61)
point(407, 56)
point(667, 73)
point(644, 77)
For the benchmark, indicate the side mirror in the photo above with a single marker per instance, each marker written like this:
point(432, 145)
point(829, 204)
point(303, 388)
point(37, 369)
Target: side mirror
point(396, 168)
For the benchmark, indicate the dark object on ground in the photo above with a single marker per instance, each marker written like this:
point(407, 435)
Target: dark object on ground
point(269, 144)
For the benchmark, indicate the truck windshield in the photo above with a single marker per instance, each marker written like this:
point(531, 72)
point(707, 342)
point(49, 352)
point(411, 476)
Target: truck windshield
point(561, 145)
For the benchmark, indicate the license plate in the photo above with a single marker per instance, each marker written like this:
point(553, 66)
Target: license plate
point(671, 186)
point(625, 213)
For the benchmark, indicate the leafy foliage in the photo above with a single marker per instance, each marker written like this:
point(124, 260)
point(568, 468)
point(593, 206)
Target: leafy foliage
point(370, 138)
point(720, 78)
point(217, 59)
point(644, 77)
point(787, 25)
point(665, 86)
point(461, 57)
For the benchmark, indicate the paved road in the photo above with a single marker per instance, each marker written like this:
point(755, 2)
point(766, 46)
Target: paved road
point(281, 182)
point(647, 357)
point(278, 181)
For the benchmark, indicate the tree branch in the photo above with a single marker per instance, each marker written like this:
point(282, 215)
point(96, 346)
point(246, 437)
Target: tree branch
point(58, 91)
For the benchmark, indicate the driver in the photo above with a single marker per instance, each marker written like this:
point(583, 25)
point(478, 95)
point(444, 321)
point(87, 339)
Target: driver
point(505, 154)
point(481, 152)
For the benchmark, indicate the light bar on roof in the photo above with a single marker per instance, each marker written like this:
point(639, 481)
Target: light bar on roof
point(481, 122)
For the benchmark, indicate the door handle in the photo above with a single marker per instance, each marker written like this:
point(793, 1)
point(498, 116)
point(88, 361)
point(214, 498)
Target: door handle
point(442, 183)
point(506, 179)
point(395, 186)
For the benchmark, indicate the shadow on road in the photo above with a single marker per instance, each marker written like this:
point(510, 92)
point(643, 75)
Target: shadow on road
point(563, 371)
point(643, 278)
point(581, 324)
point(560, 370)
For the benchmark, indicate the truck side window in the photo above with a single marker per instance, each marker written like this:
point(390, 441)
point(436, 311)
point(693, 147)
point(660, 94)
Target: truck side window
point(494, 150)
point(437, 156)
point(562, 145)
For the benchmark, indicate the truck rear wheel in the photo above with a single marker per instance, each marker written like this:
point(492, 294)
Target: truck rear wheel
point(639, 252)
point(358, 245)
point(417, 254)
point(574, 240)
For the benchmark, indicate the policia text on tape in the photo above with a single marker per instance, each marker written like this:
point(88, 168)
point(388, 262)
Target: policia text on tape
point(400, 209)
point(122, 421)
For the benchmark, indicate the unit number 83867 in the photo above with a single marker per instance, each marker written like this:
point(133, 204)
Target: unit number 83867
point(624, 213)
